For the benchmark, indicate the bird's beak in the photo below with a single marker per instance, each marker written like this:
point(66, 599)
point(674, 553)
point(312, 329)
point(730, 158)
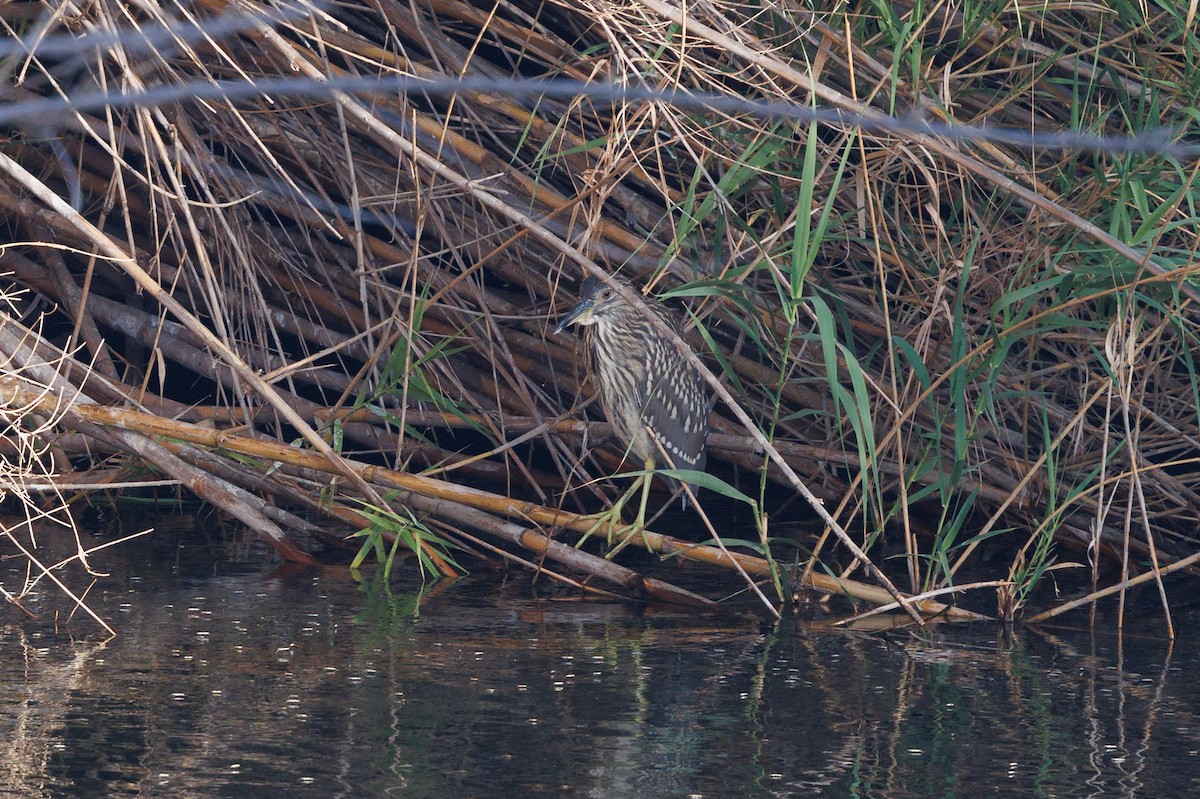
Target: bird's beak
point(577, 313)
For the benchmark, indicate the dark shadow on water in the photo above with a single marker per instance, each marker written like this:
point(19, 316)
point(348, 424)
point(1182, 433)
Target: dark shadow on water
point(239, 681)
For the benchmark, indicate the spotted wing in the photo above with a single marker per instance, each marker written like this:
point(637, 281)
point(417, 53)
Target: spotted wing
point(676, 406)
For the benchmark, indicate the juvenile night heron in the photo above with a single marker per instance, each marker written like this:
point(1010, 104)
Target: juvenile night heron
point(651, 396)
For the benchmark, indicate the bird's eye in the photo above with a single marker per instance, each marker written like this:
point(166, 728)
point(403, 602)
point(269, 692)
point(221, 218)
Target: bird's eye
point(606, 294)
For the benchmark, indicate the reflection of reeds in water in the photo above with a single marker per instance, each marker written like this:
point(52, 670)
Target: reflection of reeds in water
point(240, 681)
point(370, 275)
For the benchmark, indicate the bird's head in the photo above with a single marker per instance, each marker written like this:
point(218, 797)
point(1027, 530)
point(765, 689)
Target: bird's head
point(598, 302)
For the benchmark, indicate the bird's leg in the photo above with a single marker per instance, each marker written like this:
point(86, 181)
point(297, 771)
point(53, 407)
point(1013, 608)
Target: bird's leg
point(639, 524)
point(610, 520)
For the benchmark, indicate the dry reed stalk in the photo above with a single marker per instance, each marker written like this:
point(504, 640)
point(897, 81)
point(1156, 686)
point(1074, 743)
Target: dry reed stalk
point(457, 502)
point(404, 252)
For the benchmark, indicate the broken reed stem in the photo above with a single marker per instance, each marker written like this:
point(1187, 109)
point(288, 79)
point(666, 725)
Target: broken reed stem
point(424, 493)
point(317, 234)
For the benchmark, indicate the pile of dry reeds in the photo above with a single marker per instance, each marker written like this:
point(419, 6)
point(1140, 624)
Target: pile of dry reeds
point(276, 254)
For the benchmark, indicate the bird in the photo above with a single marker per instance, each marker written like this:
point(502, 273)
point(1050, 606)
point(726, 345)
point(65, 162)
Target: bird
point(649, 393)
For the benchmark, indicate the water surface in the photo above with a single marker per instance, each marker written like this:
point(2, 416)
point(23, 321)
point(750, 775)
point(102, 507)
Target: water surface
point(235, 680)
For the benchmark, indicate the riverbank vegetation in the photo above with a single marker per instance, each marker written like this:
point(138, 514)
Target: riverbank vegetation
point(304, 262)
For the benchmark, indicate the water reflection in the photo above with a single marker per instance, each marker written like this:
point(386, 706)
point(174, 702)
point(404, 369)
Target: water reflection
point(246, 685)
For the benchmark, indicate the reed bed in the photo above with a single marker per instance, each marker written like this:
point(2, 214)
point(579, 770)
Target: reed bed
point(306, 261)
